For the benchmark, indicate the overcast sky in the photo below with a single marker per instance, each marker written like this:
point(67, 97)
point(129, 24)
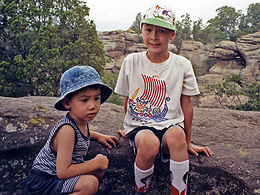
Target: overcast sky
point(120, 14)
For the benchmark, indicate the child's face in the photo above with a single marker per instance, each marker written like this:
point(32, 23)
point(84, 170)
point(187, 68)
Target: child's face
point(157, 38)
point(84, 105)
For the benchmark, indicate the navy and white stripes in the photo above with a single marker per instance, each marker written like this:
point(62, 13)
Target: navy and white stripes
point(46, 159)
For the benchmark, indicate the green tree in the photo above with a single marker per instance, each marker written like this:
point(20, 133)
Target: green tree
point(111, 79)
point(136, 26)
point(231, 88)
point(183, 30)
point(186, 26)
point(197, 30)
point(178, 38)
point(252, 19)
point(243, 26)
point(253, 92)
point(42, 39)
point(227, 21)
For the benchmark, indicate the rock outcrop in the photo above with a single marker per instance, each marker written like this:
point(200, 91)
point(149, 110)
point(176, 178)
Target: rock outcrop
point(117, 44)
point(232, 135)
point(197, 53)
point(228, 59)
point(241, 57)
point(225, 50)
point(249, 47)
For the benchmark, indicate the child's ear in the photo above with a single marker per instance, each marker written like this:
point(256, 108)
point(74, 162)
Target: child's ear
point(173, 35)
point(66, 103)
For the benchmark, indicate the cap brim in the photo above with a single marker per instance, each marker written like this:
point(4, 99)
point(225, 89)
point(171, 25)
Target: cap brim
point(158, 22)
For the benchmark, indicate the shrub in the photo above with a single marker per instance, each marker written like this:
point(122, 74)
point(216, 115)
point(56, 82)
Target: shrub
point(111, 79)
point(232, 87)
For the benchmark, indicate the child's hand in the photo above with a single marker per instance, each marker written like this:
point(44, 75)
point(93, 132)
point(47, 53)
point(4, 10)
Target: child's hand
point(102, 161)
point(108, 141)
point(122, 133)
point(194, 149)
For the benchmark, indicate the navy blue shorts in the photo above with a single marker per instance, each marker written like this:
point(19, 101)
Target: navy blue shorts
point(39, 182)
point(158, 133)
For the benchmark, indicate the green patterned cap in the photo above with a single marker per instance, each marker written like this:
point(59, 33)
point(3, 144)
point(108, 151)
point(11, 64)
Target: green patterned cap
point(160, 16)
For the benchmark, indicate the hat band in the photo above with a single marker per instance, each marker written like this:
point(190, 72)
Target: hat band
point(157, 22)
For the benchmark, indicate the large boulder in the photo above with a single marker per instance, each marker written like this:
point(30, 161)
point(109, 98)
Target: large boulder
point(115, 42)
point(228, 59)
point(197, 53)
point(232, 135)
point(241, 57)
point(118, 43)
point(249, 47)
point(225, 50)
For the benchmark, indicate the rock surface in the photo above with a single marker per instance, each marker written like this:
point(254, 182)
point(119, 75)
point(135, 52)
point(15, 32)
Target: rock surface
point(232, 135)
point(225, 50)
point(249, 47)
point(241, 57)
point(197, 53)
point(117, 44)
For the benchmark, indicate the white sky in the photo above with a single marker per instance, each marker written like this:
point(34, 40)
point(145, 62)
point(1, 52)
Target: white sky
point(120, 14)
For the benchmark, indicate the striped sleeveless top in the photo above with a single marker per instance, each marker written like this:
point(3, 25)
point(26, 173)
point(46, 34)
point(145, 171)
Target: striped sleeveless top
point(46, 159)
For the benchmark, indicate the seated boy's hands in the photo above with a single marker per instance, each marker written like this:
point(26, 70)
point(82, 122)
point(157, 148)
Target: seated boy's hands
point(194, 149)
point(101, 161)
point(108, 141)
point(122, 133)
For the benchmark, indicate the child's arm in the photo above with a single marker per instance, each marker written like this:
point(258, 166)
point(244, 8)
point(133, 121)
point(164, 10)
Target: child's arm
point(125, 103)
point(104, 139)
point(63, 144)
point(122, 132)
point(187, 109)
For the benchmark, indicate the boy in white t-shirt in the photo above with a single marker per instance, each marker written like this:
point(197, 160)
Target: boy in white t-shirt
point(157, 86)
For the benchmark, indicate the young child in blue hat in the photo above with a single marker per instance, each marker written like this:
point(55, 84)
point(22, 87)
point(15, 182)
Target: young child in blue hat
point(157, 86)
point(60, 168)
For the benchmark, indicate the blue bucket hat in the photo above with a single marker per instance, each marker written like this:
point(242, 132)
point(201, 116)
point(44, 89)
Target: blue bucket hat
point(77, 78)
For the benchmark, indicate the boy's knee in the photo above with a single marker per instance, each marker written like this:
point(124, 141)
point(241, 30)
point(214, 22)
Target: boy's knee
point(92, 185)
point(147, 143)
point(176, 136)
point(88, 184)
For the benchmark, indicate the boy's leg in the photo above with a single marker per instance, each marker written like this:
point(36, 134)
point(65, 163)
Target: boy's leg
point(179, 177)
point(174, 143)
point(87, 184)
point(147, 146)
point(142, 179)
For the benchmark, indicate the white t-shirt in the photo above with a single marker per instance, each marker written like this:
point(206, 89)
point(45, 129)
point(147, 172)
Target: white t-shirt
point(154, 90)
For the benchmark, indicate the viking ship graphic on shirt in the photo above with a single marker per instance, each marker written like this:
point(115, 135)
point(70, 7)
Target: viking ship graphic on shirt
point(152, 104)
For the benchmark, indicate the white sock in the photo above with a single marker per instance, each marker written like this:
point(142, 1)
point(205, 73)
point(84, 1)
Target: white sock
point(142, 179)
point(179, 176)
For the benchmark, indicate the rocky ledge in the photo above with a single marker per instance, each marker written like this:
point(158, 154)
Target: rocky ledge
point(233, 136)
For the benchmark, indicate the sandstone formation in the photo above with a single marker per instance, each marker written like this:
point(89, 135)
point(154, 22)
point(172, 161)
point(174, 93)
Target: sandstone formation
point(228, 58)
point(225, 50)
point(241, 57)
point(232, 135)
point(117, 44)
point(249, 47)
point(197, 53)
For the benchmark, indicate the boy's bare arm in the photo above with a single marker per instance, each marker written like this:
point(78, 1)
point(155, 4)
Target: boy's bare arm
point(104, 139)
point(187, 109)
point(122, 132)
point(125, 103)
point(64, 144)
